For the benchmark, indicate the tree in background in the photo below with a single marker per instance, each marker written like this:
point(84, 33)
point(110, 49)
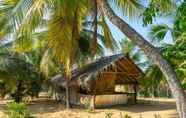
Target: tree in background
point(174, 53)
point(18, 78)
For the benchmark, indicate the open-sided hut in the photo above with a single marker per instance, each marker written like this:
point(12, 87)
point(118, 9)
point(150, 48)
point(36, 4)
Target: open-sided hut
point(110, 80)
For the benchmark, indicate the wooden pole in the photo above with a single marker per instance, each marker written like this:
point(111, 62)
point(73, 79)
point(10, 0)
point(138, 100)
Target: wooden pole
point(93, 102)
point(135, 94)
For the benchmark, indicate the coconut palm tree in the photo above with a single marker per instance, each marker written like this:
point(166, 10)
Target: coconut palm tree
point(62, 26)
point(152, 52)
point(65, 18)
point(173, 53)
point(129, 49)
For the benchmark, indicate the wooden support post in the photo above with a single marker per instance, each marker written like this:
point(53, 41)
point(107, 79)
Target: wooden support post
point(93, 102)
point(135, 94)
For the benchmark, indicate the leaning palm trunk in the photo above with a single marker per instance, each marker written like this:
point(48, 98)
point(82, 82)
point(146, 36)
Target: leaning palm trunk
point(152, 52)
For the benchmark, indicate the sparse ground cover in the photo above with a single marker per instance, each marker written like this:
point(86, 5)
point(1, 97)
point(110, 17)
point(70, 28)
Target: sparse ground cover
point(46, 108)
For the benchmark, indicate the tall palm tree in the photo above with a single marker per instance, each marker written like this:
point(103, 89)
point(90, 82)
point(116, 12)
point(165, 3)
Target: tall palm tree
point(129, 49)
point(152, 52)
point(62, 25)
point(65, 18)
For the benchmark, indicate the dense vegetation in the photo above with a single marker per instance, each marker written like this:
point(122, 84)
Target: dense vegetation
point(41, 38)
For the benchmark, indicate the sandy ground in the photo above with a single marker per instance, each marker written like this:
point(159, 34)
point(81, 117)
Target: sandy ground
point(45, 108)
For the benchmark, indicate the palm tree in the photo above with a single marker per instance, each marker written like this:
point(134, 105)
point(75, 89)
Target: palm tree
point(65, 18)
point(152, 52)
point(129, 49)
point(152, 79)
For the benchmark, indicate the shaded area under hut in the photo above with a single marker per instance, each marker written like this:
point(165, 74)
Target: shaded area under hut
point(108, 81)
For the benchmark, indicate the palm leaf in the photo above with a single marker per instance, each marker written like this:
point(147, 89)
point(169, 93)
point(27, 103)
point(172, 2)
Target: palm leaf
point(157, 32)
point(130, 8)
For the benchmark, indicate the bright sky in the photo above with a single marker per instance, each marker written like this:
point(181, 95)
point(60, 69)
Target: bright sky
point(137, 25)
point(139, 28)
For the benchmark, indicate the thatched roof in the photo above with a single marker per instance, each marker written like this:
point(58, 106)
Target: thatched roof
point(115, 69)
point(95, 66)
point(59, 80)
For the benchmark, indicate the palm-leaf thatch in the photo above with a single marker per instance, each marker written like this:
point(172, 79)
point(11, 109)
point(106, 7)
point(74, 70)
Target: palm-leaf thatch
point(115, 69)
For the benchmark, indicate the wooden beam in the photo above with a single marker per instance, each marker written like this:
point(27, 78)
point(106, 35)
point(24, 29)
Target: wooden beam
point(120, 68)
point(119, 63)
point(92, 104)
point(135, 94)
point(110, 72)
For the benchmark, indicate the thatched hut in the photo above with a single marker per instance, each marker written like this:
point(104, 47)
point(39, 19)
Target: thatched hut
point(110, 80)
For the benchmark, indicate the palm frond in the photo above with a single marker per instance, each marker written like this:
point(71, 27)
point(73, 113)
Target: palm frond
point(158, 32)
point(16, 68)
point(130, 8)
point(127, 46)
point(165, 5)
point(108, 39)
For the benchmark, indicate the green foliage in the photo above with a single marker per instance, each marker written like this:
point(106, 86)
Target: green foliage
point(127, 46)
point(62, 27)
point(129, 49)
point(108, 39)
point(18, 77)
point(152, 78)
point(87, 104)
point(149, 14)
point(155, 9)
point(176, 53)
point(179, 24)
point(157, 32)
point(184, 86)
point(126, 116)
point(157, 116)
point(108, 115)
point(129, 8)
point(17, 110)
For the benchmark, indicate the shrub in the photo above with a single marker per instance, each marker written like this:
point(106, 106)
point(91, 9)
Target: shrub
point(87, 104)
point(108, 115)
point(17, 110)
point(124, 116)
point(157, 116)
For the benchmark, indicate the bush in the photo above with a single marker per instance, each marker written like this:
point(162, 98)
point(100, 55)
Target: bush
point(17, 110)
point(87, 104)
point(184, 86)
point(108, 115)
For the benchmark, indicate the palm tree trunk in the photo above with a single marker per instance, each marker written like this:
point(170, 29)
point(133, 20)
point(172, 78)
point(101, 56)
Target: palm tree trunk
point(67, 95)
point(152, 52)
point(95, 26)
point(18, 95)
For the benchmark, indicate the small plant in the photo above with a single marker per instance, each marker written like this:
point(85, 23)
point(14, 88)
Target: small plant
point(87, 103)
point(157, 116)
point(17, 110)
point(140, 116)
point(127, 116)
point(108, 115)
